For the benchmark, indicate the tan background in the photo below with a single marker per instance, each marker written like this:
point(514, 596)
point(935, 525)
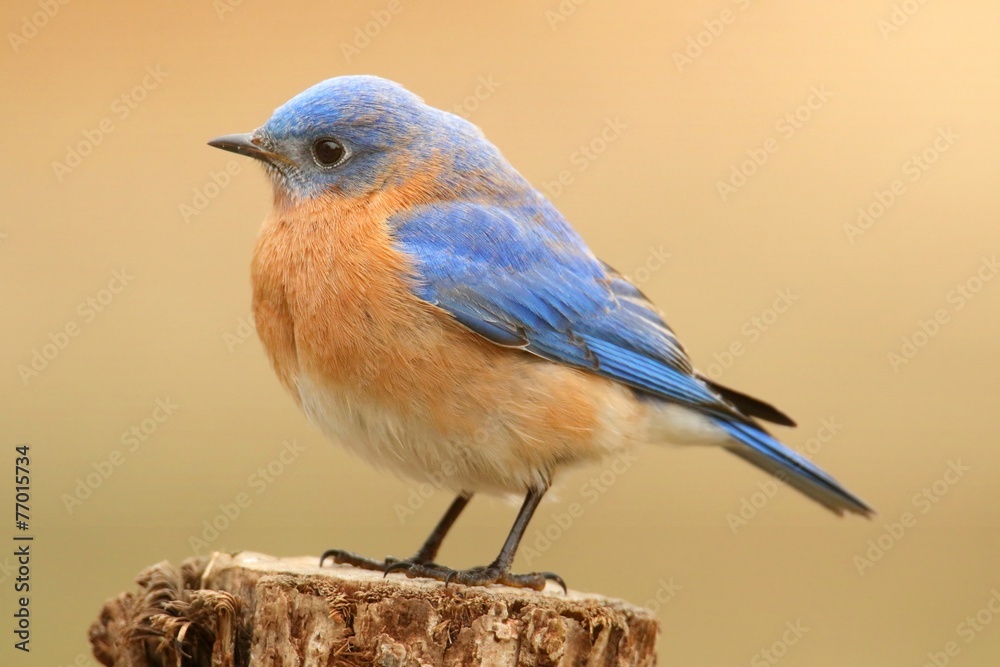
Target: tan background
point(174, 331)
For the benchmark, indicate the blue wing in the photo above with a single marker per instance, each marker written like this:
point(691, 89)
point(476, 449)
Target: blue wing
point(521, 277)
point(537, 286)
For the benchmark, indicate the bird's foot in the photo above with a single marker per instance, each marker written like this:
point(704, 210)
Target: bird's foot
point(476, 576)
point(384, 566)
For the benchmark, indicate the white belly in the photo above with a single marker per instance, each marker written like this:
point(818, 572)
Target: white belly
point(410, 447)
point(495, 457)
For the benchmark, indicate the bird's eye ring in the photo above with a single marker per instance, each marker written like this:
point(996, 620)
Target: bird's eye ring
point(329, 152)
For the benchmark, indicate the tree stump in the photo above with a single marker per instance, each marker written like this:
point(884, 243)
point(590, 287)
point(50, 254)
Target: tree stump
point(250, 609)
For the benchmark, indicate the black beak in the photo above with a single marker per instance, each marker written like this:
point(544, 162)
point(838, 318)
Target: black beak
point(244, 145)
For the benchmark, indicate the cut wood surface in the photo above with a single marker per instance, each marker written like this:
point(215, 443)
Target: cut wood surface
point(253, 609)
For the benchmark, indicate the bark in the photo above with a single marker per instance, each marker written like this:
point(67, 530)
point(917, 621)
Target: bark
point(251, 609)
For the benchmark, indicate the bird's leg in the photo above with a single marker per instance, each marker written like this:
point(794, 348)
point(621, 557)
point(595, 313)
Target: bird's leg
point(428, 552)
point(498, 572)
point(425, 555)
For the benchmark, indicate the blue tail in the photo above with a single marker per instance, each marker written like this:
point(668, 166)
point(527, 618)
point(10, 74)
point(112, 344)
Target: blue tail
point(766, 453)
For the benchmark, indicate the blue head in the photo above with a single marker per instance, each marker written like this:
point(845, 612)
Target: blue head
point(354, 135)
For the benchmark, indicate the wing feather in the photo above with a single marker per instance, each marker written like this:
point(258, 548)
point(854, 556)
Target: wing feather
point(540, 288)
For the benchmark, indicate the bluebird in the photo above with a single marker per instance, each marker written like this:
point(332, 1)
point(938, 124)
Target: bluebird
point(433, 312)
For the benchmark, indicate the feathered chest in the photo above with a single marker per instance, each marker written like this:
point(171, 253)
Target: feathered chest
point(332, 297)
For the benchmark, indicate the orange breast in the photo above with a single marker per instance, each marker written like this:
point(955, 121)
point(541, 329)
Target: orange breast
point(332, 297)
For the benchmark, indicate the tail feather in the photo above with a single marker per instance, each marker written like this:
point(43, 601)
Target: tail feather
point(750, 405)
point(760, 449)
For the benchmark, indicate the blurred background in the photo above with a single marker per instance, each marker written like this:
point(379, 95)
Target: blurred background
point(808, 190)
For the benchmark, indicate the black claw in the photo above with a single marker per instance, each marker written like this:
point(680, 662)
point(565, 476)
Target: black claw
point(397, 565)
point(348, 558)
point(552, 576)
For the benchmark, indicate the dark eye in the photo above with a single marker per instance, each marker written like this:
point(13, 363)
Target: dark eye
point(329, 152)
